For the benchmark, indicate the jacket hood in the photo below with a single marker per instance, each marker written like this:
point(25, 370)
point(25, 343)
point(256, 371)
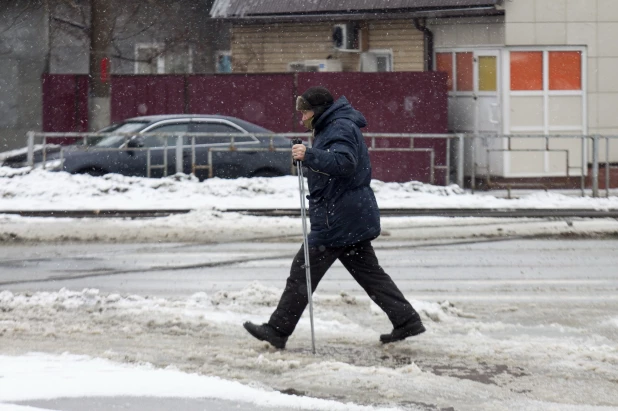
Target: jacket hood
point(341, 109)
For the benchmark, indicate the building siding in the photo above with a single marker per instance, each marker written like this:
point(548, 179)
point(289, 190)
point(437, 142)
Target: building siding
point(403, 39)
point(269, 49)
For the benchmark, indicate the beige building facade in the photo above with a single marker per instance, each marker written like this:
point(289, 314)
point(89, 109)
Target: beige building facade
point(592, 26)
point(527, 68)
point(551, 67)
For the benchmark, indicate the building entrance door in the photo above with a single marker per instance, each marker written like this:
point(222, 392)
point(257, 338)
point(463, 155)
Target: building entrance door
point(474, 102)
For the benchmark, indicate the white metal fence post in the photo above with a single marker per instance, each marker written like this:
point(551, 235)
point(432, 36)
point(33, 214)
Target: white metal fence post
point(30, 148)
point(460, 161)
point(595, 165)
point(584, 168)
point(607, 167)
point(473, 155)
point(179, 156)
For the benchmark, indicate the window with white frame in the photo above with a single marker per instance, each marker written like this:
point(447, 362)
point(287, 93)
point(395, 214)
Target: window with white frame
point(224, 61)
point(154, 58)
point(550, 81)
point(546, 95)
point(179, 59)
point(549, 70)
point(149, 58)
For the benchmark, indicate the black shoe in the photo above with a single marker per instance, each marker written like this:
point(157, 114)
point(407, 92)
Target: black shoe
point(266, 332)
point(414, 326)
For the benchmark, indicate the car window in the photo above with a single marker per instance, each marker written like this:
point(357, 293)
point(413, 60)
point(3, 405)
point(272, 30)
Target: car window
point(204, 127)
point(159, 141)
point(115, 140)
point(250, 127)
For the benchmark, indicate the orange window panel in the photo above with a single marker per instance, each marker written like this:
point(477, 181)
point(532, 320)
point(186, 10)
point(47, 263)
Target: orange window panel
point(444, 62)
point(565, 70)
point(526, 70)
point(464, 69)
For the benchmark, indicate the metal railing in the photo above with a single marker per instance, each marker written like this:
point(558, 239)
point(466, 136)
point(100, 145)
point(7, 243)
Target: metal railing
point(238, 146)
point(429, 150)
point(588, 157)
point(609, 165)
point(179, 146)
point(589, 147)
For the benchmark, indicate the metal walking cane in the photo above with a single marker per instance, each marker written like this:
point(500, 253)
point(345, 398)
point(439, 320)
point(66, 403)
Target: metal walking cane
point(303, 213)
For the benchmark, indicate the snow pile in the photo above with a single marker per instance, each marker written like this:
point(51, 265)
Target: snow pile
point(286, 187)
point(440, 311)
point(254, 302)
point(254, 294)
point(26, 183)
point(8, 172)
point(90, 298)
point(27, 378)
point(437, 312)
point(64, 299)
point(199, 300)
point(38, 189)
point(25, 189)
point(490, 362)
point(344, 368)
point(387, 189)
point(24, 150)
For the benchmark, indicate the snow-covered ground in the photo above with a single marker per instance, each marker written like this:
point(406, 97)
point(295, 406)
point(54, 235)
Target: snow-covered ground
point(522, 324)
point(38, 376)
point(542, 339)
point(25, 189)
point(538, 353)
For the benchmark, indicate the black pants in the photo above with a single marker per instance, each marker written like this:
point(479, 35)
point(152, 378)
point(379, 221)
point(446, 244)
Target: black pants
point(361, 261)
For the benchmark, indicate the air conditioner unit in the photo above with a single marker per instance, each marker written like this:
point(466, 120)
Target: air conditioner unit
point(323, 65)
point(297, 66)
point(315, 65)
point(346, 36)
point(376, 61)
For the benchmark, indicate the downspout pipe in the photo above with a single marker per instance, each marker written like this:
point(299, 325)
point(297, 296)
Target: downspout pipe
point(428, 40)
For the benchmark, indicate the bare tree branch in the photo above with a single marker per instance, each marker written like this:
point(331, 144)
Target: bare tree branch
point(134, 13)
point(163, 21)
point(29, 6)
point(71, 24)
point(137, 33)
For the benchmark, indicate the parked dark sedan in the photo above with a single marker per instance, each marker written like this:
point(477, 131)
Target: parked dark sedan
point(250, 157)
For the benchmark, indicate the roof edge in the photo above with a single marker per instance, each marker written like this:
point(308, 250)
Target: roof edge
point(237, 9)
point(320, 17)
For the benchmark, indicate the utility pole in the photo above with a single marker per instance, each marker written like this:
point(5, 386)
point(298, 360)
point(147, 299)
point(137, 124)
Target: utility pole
point(99, 93)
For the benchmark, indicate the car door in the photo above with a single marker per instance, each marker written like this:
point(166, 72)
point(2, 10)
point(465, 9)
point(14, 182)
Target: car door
point(225, 163)
point(157, 144)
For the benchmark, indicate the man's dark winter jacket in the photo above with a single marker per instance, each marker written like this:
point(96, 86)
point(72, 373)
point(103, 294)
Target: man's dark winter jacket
point(343, 208)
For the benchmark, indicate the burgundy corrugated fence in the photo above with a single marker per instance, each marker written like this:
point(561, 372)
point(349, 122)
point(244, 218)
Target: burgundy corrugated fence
point(400, 102)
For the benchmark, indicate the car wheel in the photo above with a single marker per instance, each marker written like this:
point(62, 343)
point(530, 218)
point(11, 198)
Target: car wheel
point(93, 171)
point(266, 173)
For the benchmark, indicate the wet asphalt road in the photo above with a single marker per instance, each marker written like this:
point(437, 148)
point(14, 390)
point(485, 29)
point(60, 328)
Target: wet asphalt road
point(459, 269)
point(517, 269)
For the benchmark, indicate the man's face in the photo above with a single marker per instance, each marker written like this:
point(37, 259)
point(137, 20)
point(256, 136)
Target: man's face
point(307, 114)
point(307, 119)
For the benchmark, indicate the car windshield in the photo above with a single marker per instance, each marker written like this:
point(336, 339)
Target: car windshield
point(114, 140)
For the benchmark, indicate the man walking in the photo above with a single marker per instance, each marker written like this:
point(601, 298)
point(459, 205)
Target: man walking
point(344, 218)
